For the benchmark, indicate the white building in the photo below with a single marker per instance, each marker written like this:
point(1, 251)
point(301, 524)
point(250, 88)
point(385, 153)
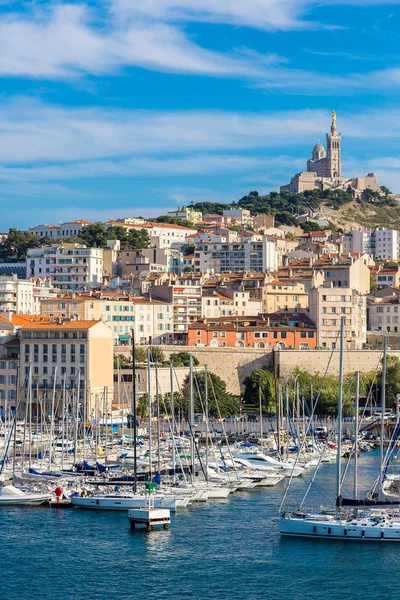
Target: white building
point(384, 315)
point(68, 266)
point(223, 253)
point(60, 231)
point(387, 244)
point(16, 295)
point(239, 214)
point(193, 216)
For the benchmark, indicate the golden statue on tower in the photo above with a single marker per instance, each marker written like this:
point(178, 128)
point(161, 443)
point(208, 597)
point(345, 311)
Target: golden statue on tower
point(333, 117)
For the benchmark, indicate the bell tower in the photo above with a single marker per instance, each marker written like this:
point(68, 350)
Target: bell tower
point(333, 142)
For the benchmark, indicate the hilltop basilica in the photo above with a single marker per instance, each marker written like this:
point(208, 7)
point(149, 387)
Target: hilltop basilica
point(324, 169)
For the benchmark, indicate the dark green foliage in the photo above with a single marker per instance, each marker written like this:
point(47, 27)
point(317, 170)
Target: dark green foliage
point(15, 247)
point(182, 359)
point(392, 381)
point(96, 235)
point(264, 379)
point(220, 403)
point(173, 221)
point(156, 355)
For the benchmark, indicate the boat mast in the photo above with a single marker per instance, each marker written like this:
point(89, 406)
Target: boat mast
point(383, 403)
point(53, 399)
point(206, 415)
point(261, 423)
point(340, 402)
point(149, 409)
point(133, 413)
point(171, 377)
point(356, 433)
point(191, 418)
point(158, 423)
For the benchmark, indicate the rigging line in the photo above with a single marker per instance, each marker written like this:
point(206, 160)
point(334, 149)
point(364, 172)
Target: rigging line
point(173, 440)
point(307, 429)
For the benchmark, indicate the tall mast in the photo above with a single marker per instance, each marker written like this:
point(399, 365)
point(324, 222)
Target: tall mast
point(206, 415)
point(356, 433)
point(261, 423)
point(340, 403)
point(171, 376)
point(158, 423)
point(133, 412)
point(149, 409)
point(191, 418)
point(53, 399)
point(383, 403)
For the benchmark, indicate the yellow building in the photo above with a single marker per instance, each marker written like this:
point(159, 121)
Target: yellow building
point(280, 296)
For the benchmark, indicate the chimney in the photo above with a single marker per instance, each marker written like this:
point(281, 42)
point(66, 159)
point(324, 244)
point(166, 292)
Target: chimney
point(290, 273)
point(310, 261)
point(285, 261)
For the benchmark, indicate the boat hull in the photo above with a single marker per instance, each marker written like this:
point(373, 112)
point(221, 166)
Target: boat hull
point(335, 530)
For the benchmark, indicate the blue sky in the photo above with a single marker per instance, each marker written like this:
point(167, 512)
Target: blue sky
point(132, 107)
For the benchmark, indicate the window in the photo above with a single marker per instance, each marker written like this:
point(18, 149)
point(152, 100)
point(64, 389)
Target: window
point(303, 334)
point(223, 334)
point(257, 334)
point(198, 332)
point(283, 335)
point(215, 334)
point(310, 334)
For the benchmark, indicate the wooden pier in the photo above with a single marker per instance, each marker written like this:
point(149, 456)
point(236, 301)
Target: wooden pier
point(149, 517)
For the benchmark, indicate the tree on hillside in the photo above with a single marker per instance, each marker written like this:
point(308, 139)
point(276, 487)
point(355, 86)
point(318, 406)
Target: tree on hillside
point(94, 235)
point(17, 243)
point(138, 238)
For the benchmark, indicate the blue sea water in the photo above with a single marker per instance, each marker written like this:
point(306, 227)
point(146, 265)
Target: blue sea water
point(225, 550)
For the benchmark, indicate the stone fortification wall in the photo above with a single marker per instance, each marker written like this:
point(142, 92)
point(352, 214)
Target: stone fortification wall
point(234, 364)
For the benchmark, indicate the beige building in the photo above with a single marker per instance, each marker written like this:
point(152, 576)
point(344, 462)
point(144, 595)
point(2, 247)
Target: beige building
point(263, 221)
point(327, 305)
point(384, 315)
point(78, 354)
point(284, 296)
point(229, 302)
point(348, 273)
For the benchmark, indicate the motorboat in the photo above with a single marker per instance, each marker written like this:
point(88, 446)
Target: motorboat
point(123, 501)
point(13, 496)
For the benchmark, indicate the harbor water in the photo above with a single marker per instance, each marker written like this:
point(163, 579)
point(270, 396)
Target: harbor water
point(223, 550)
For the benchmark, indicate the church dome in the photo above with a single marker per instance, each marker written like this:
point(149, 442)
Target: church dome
point(318, 148)
point(318, 152)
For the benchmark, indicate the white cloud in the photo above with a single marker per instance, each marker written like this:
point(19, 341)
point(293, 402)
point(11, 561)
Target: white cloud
point(32, 131)
point(65, 41)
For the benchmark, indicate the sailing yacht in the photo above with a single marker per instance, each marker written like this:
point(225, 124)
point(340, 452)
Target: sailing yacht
point(367, 525)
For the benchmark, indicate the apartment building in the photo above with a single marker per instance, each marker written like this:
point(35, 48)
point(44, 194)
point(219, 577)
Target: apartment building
point(69, 266)
point(280, 332)
point(386, 276)
point(263, 221)
point(348, 273)
point(23, 296)
point(241, 215)
point(78, 354)
point(162, 235)
point(384, 315)
point(151, 259)
point(63, 230)
point(229, 253)
point(284, 296)
point(387, 242)
point(8, 385)
point(225, 302)
point(186, 214)
point(184, 294)
point(327, 305)
point(151, 319)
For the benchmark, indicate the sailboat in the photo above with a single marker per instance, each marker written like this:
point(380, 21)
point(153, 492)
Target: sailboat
point(368, 525)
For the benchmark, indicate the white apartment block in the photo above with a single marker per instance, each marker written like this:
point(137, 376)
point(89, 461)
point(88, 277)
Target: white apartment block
point(387, 244)
point(63, 230)
point(68, 266)
point(193, 216)
point(219, 254)
point(239, 214)
point(16, 295)
point(229, 303)
point(381, 243)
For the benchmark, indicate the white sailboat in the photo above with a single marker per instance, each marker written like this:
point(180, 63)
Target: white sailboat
point(368, 525)
point(12, 496)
